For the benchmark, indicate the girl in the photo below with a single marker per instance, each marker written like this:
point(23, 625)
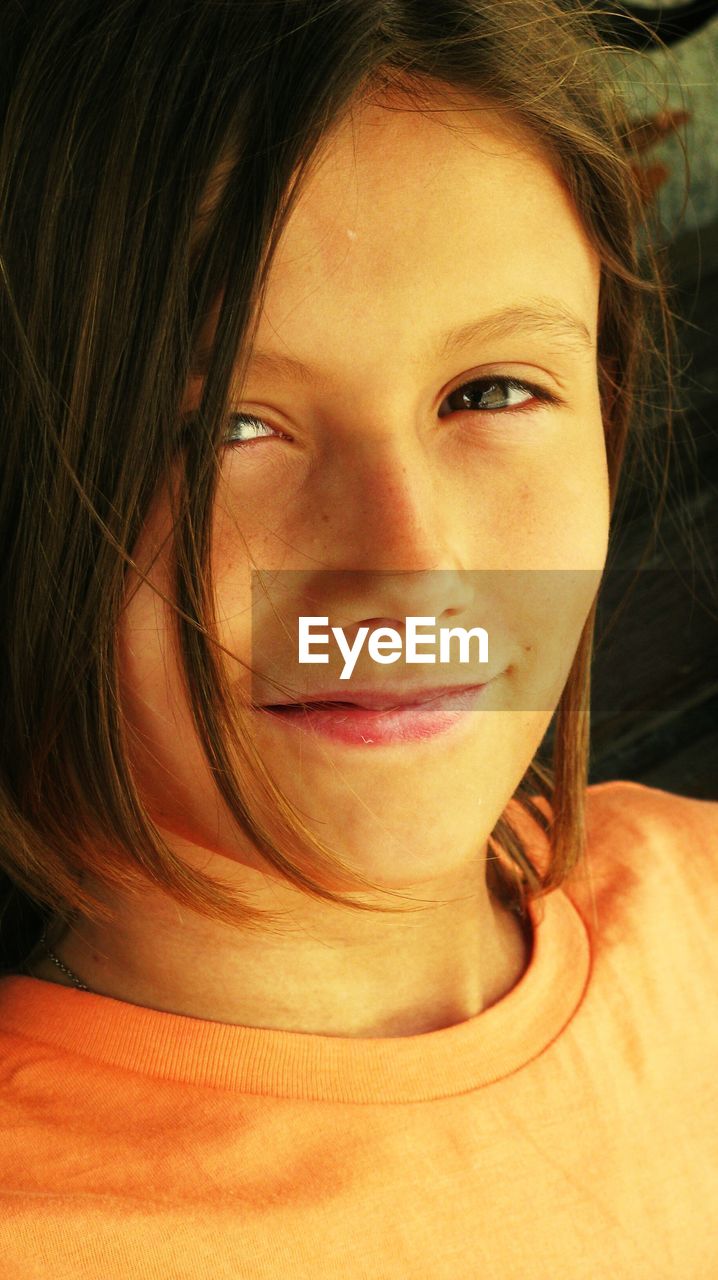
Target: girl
point(330, 310)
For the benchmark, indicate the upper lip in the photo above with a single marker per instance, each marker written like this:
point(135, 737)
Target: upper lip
point(376, 699)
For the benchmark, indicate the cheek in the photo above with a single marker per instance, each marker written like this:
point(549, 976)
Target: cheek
point(563, 518)
point(562, 506)
point(555, 551)
point(161, 742)
point(164, 753)
point(241, 545)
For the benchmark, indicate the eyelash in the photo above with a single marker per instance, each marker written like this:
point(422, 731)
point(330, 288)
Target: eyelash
point(540, 396)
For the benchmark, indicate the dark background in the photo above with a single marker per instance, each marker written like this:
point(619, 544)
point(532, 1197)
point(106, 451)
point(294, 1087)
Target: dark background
point(655, 675)
point(655, 700)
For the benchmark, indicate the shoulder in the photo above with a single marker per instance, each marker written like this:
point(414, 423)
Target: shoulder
point(651, 862)
point(650, 806)
point(629, 821)
point(624, 819)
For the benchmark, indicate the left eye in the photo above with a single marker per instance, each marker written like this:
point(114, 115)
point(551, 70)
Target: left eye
point(495, 395)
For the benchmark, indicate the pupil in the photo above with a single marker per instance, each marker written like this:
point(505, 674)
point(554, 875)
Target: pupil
point(486, 396)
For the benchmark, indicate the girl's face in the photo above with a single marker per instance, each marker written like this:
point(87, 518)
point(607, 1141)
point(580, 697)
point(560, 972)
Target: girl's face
point(427, 399)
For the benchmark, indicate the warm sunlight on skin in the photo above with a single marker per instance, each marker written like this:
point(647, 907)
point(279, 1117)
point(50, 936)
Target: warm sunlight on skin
point(406, 231)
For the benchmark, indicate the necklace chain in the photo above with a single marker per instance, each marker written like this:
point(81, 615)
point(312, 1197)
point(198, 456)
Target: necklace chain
point(55, 959)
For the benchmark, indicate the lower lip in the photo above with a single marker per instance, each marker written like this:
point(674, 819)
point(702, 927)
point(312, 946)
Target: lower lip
point(361, 727)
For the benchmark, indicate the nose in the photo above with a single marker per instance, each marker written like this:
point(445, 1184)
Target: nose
point(396, 528)
point(392, 511)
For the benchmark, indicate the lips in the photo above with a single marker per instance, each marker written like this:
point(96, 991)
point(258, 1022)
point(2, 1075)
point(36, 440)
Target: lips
point(409, 716)
point(370, 699)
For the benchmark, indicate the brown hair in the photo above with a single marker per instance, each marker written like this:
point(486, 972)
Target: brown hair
point(115, 119)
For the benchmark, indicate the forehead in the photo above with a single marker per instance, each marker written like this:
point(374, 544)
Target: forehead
point(406, 213)
point(411, 221)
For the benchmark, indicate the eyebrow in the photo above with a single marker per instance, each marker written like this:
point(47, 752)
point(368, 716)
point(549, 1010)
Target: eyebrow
point(545, 318)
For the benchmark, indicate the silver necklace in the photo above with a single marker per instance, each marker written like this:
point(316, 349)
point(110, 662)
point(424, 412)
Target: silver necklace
point(58, 962)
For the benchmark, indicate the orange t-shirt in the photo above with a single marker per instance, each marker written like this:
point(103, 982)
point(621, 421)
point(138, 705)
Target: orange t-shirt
point(568, 1132)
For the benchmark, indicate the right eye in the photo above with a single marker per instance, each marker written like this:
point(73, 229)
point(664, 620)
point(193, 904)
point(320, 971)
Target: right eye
point(248, 428)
